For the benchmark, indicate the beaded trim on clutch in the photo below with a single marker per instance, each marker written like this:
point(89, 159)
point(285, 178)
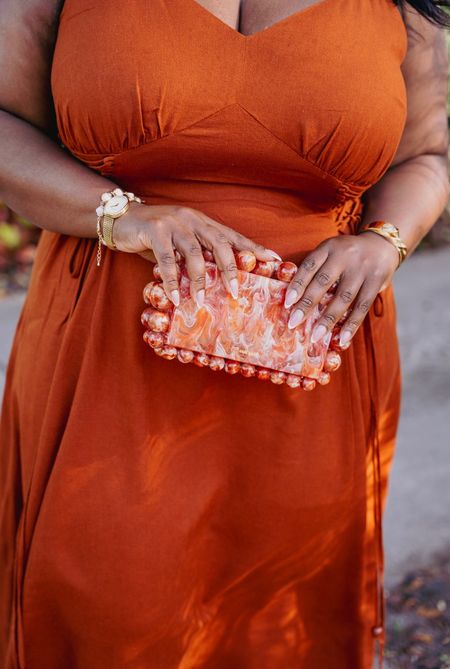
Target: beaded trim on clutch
point(248, 335)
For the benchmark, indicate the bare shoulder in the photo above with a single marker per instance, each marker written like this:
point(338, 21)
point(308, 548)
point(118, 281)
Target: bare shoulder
point(425, 39)
point(27, 39)
point(425, 72)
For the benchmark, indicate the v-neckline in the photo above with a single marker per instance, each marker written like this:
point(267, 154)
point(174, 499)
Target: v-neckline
point(272, 28)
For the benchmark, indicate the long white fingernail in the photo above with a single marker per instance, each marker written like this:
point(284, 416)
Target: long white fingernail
point(291, 297)
point(275, 255)
point(296, 317)
point(345, 337)
point(318, 333)
point(234, 288)
point(175, 297)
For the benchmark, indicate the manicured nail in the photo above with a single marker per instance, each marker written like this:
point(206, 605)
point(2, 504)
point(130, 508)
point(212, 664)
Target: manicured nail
point(175, 297)
point(291, 297)
point(345, 337)
point(200, 297)
point(275, 255)
point(295, 318)
point(234, 288)
point(318, 332)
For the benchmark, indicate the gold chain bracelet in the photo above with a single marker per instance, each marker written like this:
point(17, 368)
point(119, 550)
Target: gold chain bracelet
point(101, 241)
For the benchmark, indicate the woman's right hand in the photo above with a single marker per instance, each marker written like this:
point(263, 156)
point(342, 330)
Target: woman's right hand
point(155, 231)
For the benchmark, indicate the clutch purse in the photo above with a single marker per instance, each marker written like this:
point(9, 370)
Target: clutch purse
point(248, 335)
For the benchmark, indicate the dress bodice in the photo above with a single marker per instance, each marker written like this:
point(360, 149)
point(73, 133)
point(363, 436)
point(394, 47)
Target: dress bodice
point(165, 93)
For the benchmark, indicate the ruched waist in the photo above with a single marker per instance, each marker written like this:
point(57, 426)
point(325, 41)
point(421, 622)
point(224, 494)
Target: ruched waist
point(278, 219)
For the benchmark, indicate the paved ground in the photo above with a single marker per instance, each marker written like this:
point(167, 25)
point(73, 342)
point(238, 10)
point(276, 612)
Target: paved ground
point(417, 520)
point(418, 507)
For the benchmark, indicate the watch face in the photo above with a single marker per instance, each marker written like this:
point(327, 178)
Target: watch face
point(115, 204)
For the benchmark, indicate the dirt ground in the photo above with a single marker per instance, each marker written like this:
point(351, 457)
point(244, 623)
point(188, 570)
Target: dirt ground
point(418, 618)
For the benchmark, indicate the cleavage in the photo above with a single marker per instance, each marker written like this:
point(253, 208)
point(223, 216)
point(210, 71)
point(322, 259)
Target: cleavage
point(251, 16)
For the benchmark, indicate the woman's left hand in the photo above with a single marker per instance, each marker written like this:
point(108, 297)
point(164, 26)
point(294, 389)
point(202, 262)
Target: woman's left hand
point(362, 264)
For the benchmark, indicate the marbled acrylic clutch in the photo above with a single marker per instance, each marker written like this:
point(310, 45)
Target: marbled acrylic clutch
point(248, 335)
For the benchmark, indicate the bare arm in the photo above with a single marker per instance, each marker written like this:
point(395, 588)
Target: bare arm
point(55, 191)
point(45, 185)
point(415, 189)
point(411, 195)
point(38, 179)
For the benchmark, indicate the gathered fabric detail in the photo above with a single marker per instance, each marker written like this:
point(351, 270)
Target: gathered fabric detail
point(348, 212)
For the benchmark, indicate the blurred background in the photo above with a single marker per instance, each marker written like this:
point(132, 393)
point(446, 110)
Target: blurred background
point(417, 517)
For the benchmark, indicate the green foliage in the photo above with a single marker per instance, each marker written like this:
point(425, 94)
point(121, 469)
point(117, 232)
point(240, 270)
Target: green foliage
point(18, 239)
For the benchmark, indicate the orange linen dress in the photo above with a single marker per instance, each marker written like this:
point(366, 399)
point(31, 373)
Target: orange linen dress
point(157, 515)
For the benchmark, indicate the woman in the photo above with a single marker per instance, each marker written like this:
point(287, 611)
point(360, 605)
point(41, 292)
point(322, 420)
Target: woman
point(157, 515)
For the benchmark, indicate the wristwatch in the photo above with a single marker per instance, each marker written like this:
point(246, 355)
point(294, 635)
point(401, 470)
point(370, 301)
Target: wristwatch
point(390, 232)
point(114, 204)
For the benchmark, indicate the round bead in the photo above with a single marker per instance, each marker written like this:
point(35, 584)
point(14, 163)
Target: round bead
point(247, 369)
point(118, 191)
point(158, 321)
point(377, 631)
point(232, 366)
point(293, 381)
point(263, 374)
point(278, 377)
point(332, 361)
point(169, 352)
point(147, 291)
point(324, 378)
point(308, 384)
point(154, 339)
point(105, 197)
point(264, 268)
point(159, 299)
point(216, 363)
point(201, 359)
point(99, 211)
point(145, 317)
point(286, 271)
point(246, 261)
point(184, 355)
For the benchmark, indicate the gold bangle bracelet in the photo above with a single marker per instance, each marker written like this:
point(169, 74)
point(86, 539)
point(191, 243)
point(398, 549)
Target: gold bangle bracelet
point(391, 233)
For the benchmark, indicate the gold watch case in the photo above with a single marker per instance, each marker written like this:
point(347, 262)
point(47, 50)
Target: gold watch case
point(116, 206)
